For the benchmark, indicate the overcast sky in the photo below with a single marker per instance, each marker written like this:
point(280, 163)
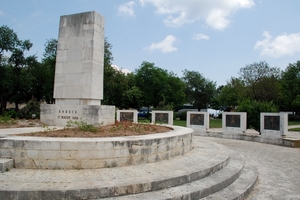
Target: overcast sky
point(213, 37)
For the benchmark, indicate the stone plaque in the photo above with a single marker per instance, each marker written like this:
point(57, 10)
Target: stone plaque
point(162, 118)
point(126, 116)
point(272, 122)
point(233, 121)
point(197, 119)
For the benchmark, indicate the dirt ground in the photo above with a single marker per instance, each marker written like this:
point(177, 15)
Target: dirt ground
point(116, 130)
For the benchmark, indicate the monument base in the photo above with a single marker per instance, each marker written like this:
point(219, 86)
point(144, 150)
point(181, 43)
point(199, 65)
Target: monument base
point(60, 115)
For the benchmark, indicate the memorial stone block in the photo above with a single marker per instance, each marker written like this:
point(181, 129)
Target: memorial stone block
point(234, 122)
point(274, 124)
point(78, 83)
point(127, 115)
point(198, 120)
point(162, 117)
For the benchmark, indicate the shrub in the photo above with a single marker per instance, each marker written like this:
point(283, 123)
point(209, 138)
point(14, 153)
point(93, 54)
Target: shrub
point(31, 108)
point(253, 109)
point(11, 114)
point(84, 126)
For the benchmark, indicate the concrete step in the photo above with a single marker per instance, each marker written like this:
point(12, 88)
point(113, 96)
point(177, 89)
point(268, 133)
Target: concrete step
point(240, 189)
point(6, 164)
point(197, 189)
point(205, 159)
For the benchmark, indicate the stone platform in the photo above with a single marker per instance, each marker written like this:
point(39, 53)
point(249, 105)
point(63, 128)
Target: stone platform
point(205, 171)
point(94, 153)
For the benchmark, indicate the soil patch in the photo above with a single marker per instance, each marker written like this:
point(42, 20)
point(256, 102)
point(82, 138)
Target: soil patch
point(116, 130)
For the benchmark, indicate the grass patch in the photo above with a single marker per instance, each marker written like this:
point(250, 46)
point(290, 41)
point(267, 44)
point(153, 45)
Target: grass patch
point(179, 123)
point(6, 120)
point(295, 129)
point(291, 123)
point(213, 123)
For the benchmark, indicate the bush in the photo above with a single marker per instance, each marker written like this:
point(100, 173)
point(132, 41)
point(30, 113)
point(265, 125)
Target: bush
point(31, 108)
point(11, 114)
point(253, 109)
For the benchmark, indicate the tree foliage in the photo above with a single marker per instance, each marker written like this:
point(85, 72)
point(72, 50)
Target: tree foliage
point(259, 87)
point(199, 91)
point(291, 87)
point(231, 94)
point(48, 71)
point(158, 86)
point(15, 68)
point(261, 81)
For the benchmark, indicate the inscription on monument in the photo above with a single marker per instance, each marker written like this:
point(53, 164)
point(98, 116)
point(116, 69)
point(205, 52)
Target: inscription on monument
point(162, 118)
point(126, 116)
point(197, 119)
point(272, 122)
point(67, 114)
point(233, 121)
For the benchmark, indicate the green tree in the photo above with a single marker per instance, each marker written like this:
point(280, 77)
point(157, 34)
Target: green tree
point(291, 87)
point(20, 65)
point(115, 81)
point(14, 68)
point(132, 98)
point(175, 91)
point(153, 83)
point(199, 91)
point(231, 93)
point(158, 86)
point(47, 70)
point(8, 41)
point(261, 81)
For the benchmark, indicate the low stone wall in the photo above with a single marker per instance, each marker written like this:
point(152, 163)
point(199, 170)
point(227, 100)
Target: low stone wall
point(287, 142)
point(93, 153)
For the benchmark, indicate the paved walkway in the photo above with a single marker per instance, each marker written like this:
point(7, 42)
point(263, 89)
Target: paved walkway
point(278, 168)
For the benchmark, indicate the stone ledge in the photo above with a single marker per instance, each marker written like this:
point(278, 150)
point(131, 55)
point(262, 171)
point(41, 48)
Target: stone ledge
point(93, 153)
point(284, 141)
point(6, 164)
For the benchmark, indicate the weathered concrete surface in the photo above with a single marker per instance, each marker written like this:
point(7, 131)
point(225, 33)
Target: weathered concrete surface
point(6, 164)
point(94, 153)
point(278, 168)
point(292, 139)
point(206, 158)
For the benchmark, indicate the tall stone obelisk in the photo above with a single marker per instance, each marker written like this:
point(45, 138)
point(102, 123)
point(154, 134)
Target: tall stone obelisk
point(78, 84)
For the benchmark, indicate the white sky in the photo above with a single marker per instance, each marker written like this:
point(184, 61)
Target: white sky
point(213, 37)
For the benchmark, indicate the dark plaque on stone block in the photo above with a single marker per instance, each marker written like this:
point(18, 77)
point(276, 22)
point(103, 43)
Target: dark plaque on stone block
point(162, 118)
point(272, 122)
point(197, 119)
point(126, 116)
point(233, 121)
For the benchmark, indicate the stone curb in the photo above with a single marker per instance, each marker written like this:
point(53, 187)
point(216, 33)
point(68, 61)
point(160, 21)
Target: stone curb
point(287, 142)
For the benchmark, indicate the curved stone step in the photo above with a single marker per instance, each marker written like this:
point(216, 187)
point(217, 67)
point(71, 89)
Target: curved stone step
point(239, 189)
point(205, 159)
point(197, 189)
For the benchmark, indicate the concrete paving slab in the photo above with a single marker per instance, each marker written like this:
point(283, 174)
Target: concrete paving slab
point(278, 168)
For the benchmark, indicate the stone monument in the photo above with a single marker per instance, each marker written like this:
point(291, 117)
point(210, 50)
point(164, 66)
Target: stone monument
point(78, 84)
